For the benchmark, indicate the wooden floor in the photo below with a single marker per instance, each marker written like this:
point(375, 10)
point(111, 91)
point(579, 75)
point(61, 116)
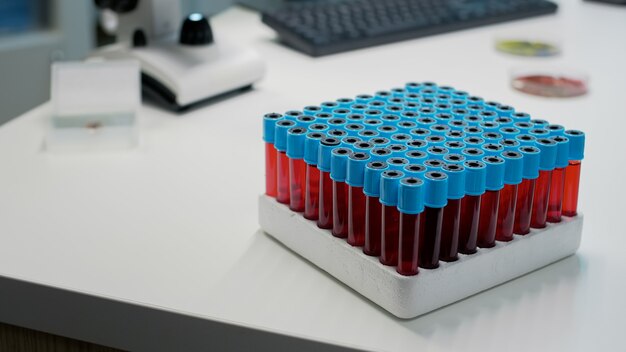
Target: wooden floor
point(16, 339)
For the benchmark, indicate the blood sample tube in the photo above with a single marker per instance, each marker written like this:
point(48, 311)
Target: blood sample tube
point(513, 166)
point(526, 190)
point(539, 133)
point(345, 102)
point(390, 216)
point(452, 212)
point(490, 201)
point(325, 201)
point(338, 170)
point(297, 168)
point(311, 192)
point(572, 172)
point(475, 179)
point(410, 206)
point(356, 197)
point(435, 199)
point(547, 162)
point(269, 131)
point(329, 106)
point(555, 201)
point(282, 163)
point(373, 207)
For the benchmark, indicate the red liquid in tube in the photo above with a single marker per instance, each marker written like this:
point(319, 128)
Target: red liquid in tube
point(340, 209)
point(297, 174)
point(450, 231)
point(325, 213)
point(408, 244)
point(540, 203)
point(555, 201)
point(270, 170)
point(390, 235)
point(282, 179)
point(356, 216)
point(488, 219)
point(373, 210)
point(311, 193)
point(430, 237)
point(468, 228)
point(570, 191)
point(506, 213)
point(525, 195)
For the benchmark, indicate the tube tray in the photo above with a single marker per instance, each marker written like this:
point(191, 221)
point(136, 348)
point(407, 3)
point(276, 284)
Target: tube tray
point(411, 296)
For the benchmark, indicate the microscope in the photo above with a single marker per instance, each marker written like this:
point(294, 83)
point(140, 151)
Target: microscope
point(182, 65)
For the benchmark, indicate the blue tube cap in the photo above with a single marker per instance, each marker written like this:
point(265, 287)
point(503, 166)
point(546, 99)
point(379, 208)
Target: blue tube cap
point(305, 121)
point(456, 135)
point(576, 144)
point(492, 149)
point(526, 139)
point(562, 151)
point(509, 132)
point(295, 142)
point(329, 106)
point(349, 141)
point(380, 154)
point(327, 145)
point(367, 134)
point(510, 144)
point(417, 144)
point(455, 147)
point(389, 182)
point(489, 126)
point(339, 164)
point(397, 149)
point(415, 170)
point(269, 126)
point(456, 180)
point(454, 158)
point(411, 195)
point(353, 129)
point(434, 164)
point(473, 153)
point(356, 168)
point(323, 116)
point(547, 160)
point(311, 147)
point(371, 177)
point(513, 168)
point(520, 117)
point(318, 127)
point(531, 161)
point(492, 137)
point(495, 172)
point(439, 129)
point(420, 132)
point(471, 131)
point(435, 140)
point(293, 114)
point(280, 136)
point(556, 130)
point(523, 126)
point(475, 177)
point(539, 133)
point(312, 110)
point(435, 189)
point(337, 133)
point(397, 163)
point(379, 142)
point(437, 152)
point(416, 156)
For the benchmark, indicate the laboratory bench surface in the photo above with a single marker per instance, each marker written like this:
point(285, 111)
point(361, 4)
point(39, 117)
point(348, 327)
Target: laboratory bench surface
point(159, 248)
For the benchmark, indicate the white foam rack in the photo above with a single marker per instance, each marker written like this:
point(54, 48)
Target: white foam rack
point(411, 296)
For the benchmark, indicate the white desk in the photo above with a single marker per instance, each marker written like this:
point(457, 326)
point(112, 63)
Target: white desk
point(172, 226)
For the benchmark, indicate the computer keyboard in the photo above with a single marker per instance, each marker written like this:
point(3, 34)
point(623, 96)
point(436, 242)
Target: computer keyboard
point(320, 28)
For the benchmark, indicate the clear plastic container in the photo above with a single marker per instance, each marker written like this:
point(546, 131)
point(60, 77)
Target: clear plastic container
point(94, 106)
